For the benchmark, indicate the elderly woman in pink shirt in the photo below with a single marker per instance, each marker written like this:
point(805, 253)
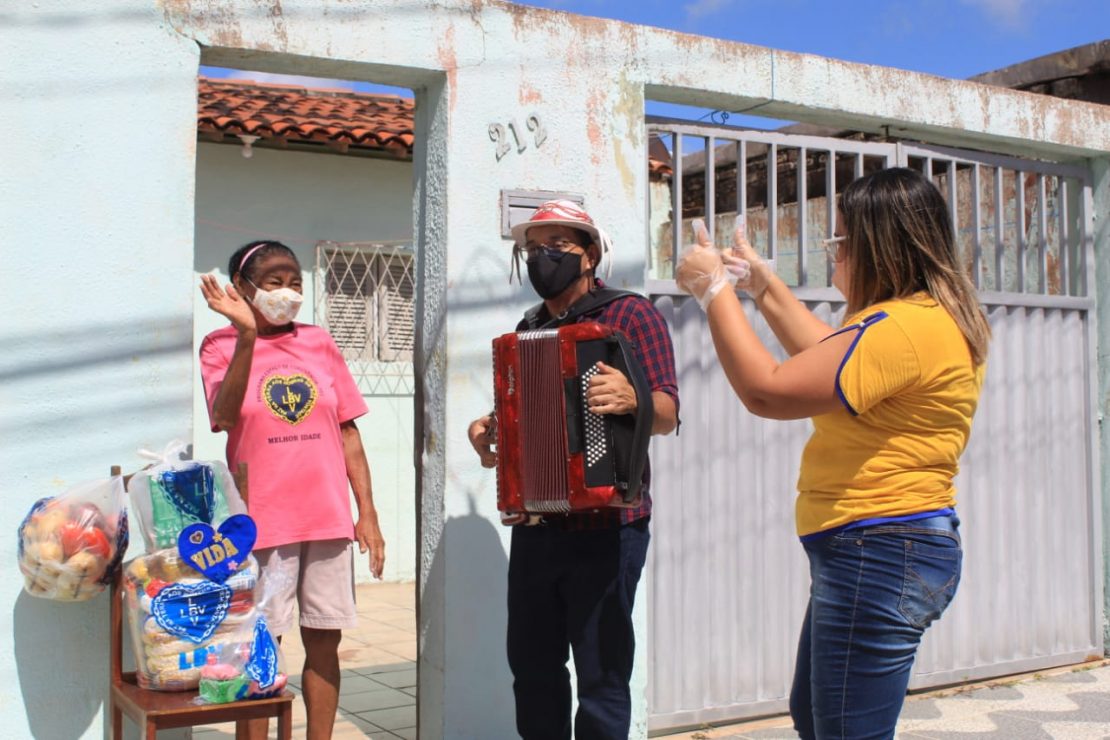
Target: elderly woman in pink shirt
point(283, 393)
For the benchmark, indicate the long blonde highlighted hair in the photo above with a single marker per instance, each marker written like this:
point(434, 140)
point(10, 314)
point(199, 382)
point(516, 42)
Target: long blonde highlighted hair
point(900, 243)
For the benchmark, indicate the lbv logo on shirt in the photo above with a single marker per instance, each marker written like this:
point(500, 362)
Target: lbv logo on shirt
point(291, 398)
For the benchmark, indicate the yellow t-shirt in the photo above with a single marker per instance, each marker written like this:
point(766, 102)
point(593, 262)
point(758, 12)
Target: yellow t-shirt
point(909, 390)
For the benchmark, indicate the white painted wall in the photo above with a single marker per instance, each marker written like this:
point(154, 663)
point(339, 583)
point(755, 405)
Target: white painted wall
point(300, 198)
point(96, 240)
point(96, 198)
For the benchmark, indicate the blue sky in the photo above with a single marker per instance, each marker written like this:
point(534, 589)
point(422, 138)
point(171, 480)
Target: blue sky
point(951, 38)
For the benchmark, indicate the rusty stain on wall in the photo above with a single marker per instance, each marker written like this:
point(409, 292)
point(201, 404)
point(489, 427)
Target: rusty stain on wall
point(595, 114)
point(953, 103)
point(583, 29)
point(448, 60)
point(630, 109)
point(221, 22)
point(277, 21)
point(528, 95)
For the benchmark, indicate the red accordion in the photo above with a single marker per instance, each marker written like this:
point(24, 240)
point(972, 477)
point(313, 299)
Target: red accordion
point(554, 455)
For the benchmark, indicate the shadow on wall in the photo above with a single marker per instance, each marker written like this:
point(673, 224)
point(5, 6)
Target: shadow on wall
point(61, 654)
point(479, 685)
point(87, 395)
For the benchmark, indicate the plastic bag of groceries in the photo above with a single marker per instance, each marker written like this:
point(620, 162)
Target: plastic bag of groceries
point(71, 545)
point(254, 671)
point(175, 492)
point(179, 617)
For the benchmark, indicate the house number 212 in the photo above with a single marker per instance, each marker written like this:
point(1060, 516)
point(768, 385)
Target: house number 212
point(499, 135)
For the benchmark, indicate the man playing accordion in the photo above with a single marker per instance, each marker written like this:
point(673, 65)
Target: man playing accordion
point(573, 576)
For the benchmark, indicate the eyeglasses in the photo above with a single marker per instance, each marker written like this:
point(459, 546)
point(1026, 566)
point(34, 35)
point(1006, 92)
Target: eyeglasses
point(832, 246)
point(556, 245)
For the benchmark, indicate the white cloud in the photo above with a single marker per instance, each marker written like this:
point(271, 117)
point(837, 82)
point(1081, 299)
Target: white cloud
point(316, 82)
point(699, 9)
point(1012, 14)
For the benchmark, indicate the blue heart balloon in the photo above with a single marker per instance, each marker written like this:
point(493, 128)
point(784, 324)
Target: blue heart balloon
point(219, 553)
point(191, 611)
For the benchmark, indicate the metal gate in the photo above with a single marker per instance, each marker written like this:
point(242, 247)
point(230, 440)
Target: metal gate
point(727, 579)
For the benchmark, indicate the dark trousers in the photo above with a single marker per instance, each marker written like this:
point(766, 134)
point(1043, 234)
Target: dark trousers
point(573, 590)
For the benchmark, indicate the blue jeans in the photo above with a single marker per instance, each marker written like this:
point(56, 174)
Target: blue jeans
point(573, 590)
point(873, 592)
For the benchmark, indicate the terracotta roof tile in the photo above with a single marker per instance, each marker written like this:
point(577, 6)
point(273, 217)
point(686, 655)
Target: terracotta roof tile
point(659, 159)
point(290, 113)
point(659, 170)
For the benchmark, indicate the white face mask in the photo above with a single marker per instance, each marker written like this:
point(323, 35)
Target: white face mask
point(277, 306)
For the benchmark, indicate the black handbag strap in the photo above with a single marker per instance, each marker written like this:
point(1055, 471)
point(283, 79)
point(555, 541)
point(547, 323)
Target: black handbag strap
point(587, 304)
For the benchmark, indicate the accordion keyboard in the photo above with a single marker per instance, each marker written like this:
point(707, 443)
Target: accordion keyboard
point(596, 437)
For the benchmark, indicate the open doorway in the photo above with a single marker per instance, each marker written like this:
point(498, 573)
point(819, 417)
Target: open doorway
point(325, 166)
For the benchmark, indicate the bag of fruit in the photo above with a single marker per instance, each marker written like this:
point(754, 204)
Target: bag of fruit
point(71, 545)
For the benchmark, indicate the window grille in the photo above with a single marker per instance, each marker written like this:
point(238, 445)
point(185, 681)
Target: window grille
point(365, 298)
point(1022, 226)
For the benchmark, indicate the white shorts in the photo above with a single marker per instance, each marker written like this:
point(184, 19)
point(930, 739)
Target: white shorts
point(318, 575)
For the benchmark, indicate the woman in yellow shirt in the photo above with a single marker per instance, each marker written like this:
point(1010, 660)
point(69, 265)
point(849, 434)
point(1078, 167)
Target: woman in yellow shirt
point(892, 394)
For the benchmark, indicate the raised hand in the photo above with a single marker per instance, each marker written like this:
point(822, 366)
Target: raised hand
point(753, 274)
point(701, 271)
point(227, 302)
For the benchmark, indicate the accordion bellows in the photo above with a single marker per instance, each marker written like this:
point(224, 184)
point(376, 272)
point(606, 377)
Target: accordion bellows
point(554, 455)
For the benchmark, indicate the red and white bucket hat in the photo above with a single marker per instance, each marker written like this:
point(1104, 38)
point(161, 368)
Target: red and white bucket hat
point(567, 213)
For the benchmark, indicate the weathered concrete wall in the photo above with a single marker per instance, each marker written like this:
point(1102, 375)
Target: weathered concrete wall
point(96, 234)
point(101, 98)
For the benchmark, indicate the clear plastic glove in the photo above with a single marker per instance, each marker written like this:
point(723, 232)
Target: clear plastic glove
point(753, 273)
point(739, 270)
point(701, 272)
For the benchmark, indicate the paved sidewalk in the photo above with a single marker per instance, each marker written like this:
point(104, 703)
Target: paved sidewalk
point(1063, 704)
point(377, 696)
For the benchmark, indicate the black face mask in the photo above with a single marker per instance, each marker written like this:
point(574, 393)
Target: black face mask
point(551, 271)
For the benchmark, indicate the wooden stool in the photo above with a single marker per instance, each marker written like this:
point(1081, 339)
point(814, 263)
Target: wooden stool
point(163, 710)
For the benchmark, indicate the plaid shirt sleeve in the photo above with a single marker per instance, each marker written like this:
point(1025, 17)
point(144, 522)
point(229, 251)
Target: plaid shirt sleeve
point(641, 322)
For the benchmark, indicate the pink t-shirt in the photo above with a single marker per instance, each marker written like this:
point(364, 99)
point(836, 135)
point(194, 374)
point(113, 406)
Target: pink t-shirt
point(300, 390)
